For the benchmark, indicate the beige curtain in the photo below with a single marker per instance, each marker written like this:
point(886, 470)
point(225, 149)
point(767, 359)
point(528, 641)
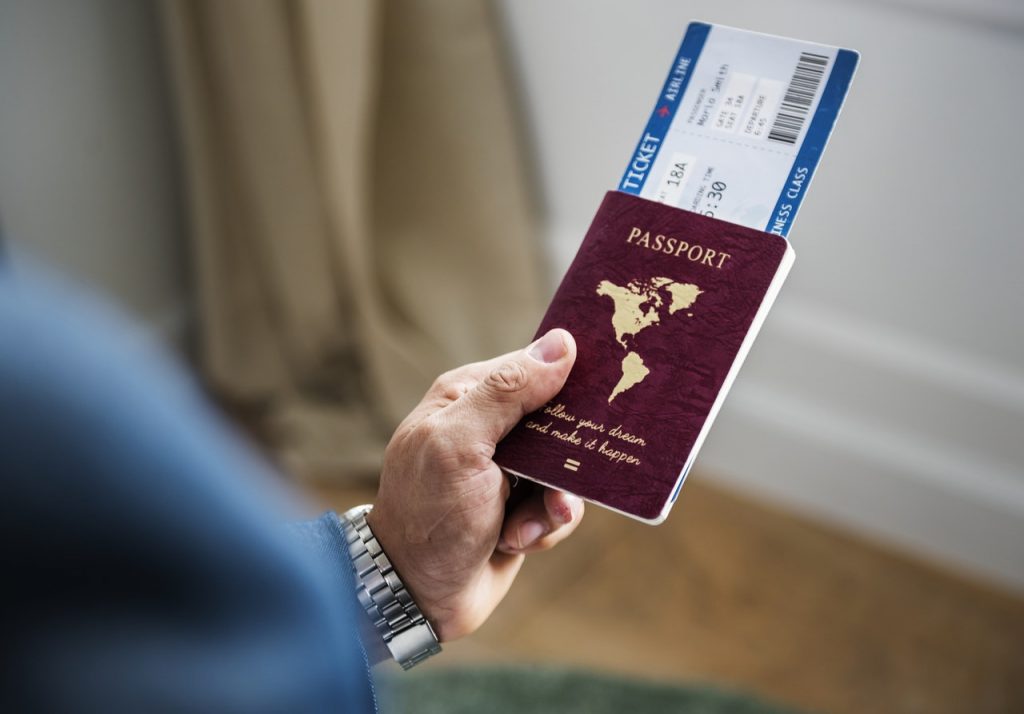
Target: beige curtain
point(358, 207)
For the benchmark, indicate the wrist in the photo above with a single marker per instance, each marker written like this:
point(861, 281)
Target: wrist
point(407, 560)
point(395, 617)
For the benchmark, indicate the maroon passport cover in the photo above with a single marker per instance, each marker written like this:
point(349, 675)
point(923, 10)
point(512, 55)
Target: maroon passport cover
point(663, 304)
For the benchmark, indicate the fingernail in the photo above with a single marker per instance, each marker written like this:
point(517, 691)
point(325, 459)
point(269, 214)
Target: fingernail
point(529, 533)
point(549, 348)
point(572, 506)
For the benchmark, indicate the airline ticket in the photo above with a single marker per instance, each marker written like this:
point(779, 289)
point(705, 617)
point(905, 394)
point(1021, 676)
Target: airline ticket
point(740, 125)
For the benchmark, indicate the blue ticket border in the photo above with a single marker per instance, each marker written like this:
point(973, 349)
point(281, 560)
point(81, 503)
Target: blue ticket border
point(672, 93)
point(818, 133)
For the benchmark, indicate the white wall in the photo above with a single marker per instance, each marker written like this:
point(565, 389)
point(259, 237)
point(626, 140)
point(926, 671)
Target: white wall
point(88, 179)
point(886, 392)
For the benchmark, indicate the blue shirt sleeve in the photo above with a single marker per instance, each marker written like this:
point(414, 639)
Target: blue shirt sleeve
point(145, 562)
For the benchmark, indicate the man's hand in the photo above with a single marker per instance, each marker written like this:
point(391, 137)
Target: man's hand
point(440, 511)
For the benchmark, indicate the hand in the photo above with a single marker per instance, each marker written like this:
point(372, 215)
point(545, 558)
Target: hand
point(440, 511)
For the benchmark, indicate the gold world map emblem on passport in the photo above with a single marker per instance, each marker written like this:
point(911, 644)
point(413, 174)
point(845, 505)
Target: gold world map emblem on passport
point(638, 305)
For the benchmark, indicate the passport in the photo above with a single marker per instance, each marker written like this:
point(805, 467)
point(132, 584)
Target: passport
point(664, 305)
point(680, 266)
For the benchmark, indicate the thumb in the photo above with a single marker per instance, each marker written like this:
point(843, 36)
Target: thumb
point(516, 385)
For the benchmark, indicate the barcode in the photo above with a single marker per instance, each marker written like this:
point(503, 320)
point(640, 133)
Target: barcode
point(799, 97)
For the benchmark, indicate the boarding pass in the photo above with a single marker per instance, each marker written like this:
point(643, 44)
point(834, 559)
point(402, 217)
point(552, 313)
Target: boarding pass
point(740, 125)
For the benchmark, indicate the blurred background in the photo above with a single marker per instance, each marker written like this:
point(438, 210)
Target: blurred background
point(325, 204)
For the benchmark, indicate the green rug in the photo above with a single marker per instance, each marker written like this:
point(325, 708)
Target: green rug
point(506, 690)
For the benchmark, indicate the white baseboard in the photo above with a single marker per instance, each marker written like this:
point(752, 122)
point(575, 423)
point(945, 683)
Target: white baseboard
point(900, 441)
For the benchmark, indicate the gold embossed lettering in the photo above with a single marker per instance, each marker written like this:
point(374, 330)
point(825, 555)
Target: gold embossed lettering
point(677, 248)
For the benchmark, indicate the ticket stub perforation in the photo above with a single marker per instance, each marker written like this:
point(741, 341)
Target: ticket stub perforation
point(740, 125)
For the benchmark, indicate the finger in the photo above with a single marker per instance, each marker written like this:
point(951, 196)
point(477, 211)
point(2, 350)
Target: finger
point(456, 383)
point(514, 386)
point(451, 386)
point(540, 522)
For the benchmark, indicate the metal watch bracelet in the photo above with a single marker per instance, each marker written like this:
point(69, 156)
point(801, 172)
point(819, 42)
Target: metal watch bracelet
point(394, 614)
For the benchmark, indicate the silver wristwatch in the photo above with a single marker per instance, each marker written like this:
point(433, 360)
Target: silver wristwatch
point(407, 634)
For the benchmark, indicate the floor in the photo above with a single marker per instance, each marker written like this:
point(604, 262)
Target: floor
point(749, 597)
